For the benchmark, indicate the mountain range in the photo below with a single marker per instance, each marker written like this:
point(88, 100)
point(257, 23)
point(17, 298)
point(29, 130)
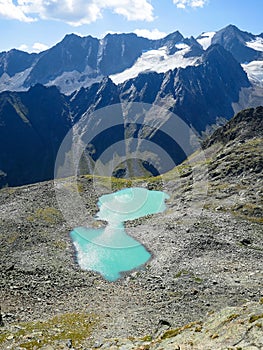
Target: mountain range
point(80, 61)
point(203, 81)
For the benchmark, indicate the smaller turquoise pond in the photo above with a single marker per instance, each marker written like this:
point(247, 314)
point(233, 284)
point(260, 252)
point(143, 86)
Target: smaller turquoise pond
point(110, 250)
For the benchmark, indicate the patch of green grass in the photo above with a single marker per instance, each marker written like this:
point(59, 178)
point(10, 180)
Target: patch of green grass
point(254, 318)
point(198, 279)
point(73, 186)
point(147, 338)
point(246, 211)
point(231, 318)
point(4, 336)
point(214, 336)
point(174, 332)
point(62, 245)
point(49, 215)
point(198, 328)
point(183, 169)
point(12, 237)
point(112, 183)
point(251, 144)
point(184, 272)
point(171, 333)
point(131, 338)
point(34, 335)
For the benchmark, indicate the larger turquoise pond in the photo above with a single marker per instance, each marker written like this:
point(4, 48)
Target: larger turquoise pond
point(110, 251)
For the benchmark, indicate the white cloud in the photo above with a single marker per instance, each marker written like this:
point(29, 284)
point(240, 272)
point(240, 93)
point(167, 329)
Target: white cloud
point(133, 10)
point(75, 12)
point(150, 34)
point(145, 33)
point(11, 11)
point(38, 47)
point(189, 3)
point(23, 47)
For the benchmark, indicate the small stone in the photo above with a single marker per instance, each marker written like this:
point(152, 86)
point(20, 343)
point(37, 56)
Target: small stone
point(69, 344)
point(1, 319)
point(98, 344)
point(246, 241)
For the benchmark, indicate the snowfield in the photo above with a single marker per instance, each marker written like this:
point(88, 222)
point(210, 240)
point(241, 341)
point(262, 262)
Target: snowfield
point(158, 61)
point(254, 71)
point(205, 39)
point(256, 44)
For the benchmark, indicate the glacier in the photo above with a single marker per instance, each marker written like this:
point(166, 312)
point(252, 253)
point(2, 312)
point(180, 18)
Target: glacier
point(254, 72)
point(158, 61)
point(256, 44)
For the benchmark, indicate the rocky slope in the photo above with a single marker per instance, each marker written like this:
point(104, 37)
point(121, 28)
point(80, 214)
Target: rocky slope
point(206, 257)
point(231, 328)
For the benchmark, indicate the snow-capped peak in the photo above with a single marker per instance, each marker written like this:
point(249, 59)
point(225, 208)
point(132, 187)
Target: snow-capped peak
point(205, 39)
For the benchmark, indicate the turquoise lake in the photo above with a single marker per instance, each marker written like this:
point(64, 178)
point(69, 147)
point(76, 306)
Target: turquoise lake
point(110, 251)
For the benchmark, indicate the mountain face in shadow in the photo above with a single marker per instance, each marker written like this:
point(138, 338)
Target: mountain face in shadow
point(198, 86)
point(34, 123)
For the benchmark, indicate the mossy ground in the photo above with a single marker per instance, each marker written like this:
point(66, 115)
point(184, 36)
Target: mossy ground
point(49, 215)
point(75, 327)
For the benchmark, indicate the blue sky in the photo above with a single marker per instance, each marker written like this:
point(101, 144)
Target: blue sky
point(33, 25)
